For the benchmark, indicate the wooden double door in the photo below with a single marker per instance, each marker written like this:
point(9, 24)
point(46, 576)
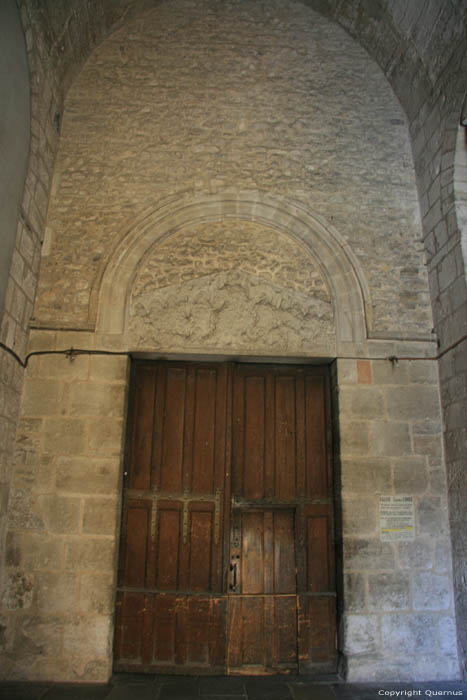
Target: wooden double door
point(226, 557)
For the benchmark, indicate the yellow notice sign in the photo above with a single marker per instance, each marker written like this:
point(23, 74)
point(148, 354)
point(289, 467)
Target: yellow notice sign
point(396, 518)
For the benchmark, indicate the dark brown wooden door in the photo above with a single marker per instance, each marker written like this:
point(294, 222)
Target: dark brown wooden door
point(282, 601)
point(226, 561)
point(170, 601)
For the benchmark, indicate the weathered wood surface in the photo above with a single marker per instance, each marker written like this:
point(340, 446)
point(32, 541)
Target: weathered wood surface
point(226, 561)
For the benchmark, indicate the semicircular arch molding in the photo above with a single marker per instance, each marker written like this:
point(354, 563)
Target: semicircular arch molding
point(340, 268)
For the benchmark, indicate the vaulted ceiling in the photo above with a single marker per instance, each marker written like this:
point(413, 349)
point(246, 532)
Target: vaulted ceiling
point(415, 43)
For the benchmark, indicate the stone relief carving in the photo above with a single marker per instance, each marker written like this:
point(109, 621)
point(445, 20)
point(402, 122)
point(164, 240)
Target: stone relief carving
point(231, 285)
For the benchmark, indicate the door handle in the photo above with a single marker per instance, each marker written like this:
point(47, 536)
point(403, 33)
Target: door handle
point(233, 577)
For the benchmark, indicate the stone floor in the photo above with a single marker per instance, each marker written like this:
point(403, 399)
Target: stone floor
point(136, 687)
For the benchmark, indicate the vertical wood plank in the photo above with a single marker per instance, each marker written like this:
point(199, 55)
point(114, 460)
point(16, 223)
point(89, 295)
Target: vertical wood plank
point(141, 444)
point(238, 435)
point(317, 486)
point(201, 537)
point(132, 609)
point(173, 431)
point(268, 563)
point(204, 433)
point(285, 631)
point(284, 553)
point(160, 374)
point(253, 633)
point(147, 633)
point(318, 553)
point(253, 468)
point(270, 456)
point(164, 628)
point(301, 435)
point(252, 557)
point(168, 547)
point(285, 438)
point(189, 423)
point(137, 530)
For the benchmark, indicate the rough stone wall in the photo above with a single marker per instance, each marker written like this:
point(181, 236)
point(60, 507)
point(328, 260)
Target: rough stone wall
point(23, 273)
point(399, 620)
point(435, 134)
point(279, 80)
point(63, 516)
point(14, 133)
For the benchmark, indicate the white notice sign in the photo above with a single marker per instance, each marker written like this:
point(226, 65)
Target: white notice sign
point(396, 518)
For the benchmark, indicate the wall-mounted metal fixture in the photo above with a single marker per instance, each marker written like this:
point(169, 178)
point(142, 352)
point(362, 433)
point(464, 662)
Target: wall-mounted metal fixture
point(463, 118)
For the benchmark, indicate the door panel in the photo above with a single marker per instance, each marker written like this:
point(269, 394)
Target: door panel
point(262, 604)
point(171, 604)
point(226, 560)
point(282, 538)
point(262, 634)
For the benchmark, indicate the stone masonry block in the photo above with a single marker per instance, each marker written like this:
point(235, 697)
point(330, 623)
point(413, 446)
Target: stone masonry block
point(410, 475)
point(359, 516)
point(86, 554)
point(108, 368)
point(429, 445)
point(364, 375)
point(363, 554)
point(60, 366)
point(417, 553)
point(65, 436)
point(447, 642)
point(100, 516)
point(38, 635)
point(40, 340)
point(411, 634)
point(68, 340)
point(427, 427)
point(61, 514)
point(387, 373)
point(92, 399)
point(414, 402)
point(42, 398)
point(87, 636)
point(443, 559)
point(423, 372)
point(346, 372)
point(431, 516)
point(389, 439)
point(56, 592)
point(366, 475)
point(34, 551)
point(46, 473)
point(29, 425)
point(431, 591)
point(18, 590)
point(405, 668)
point(106, 434)
point(24, 513)
point(87, 475)
point(354, 592)
point(388, 591)
point(353, 437)
point(96, 593)
point(437, 481)
point(361, 402)
point(361, 634)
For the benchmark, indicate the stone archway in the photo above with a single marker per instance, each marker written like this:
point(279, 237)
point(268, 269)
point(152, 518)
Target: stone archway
point(338, 267)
